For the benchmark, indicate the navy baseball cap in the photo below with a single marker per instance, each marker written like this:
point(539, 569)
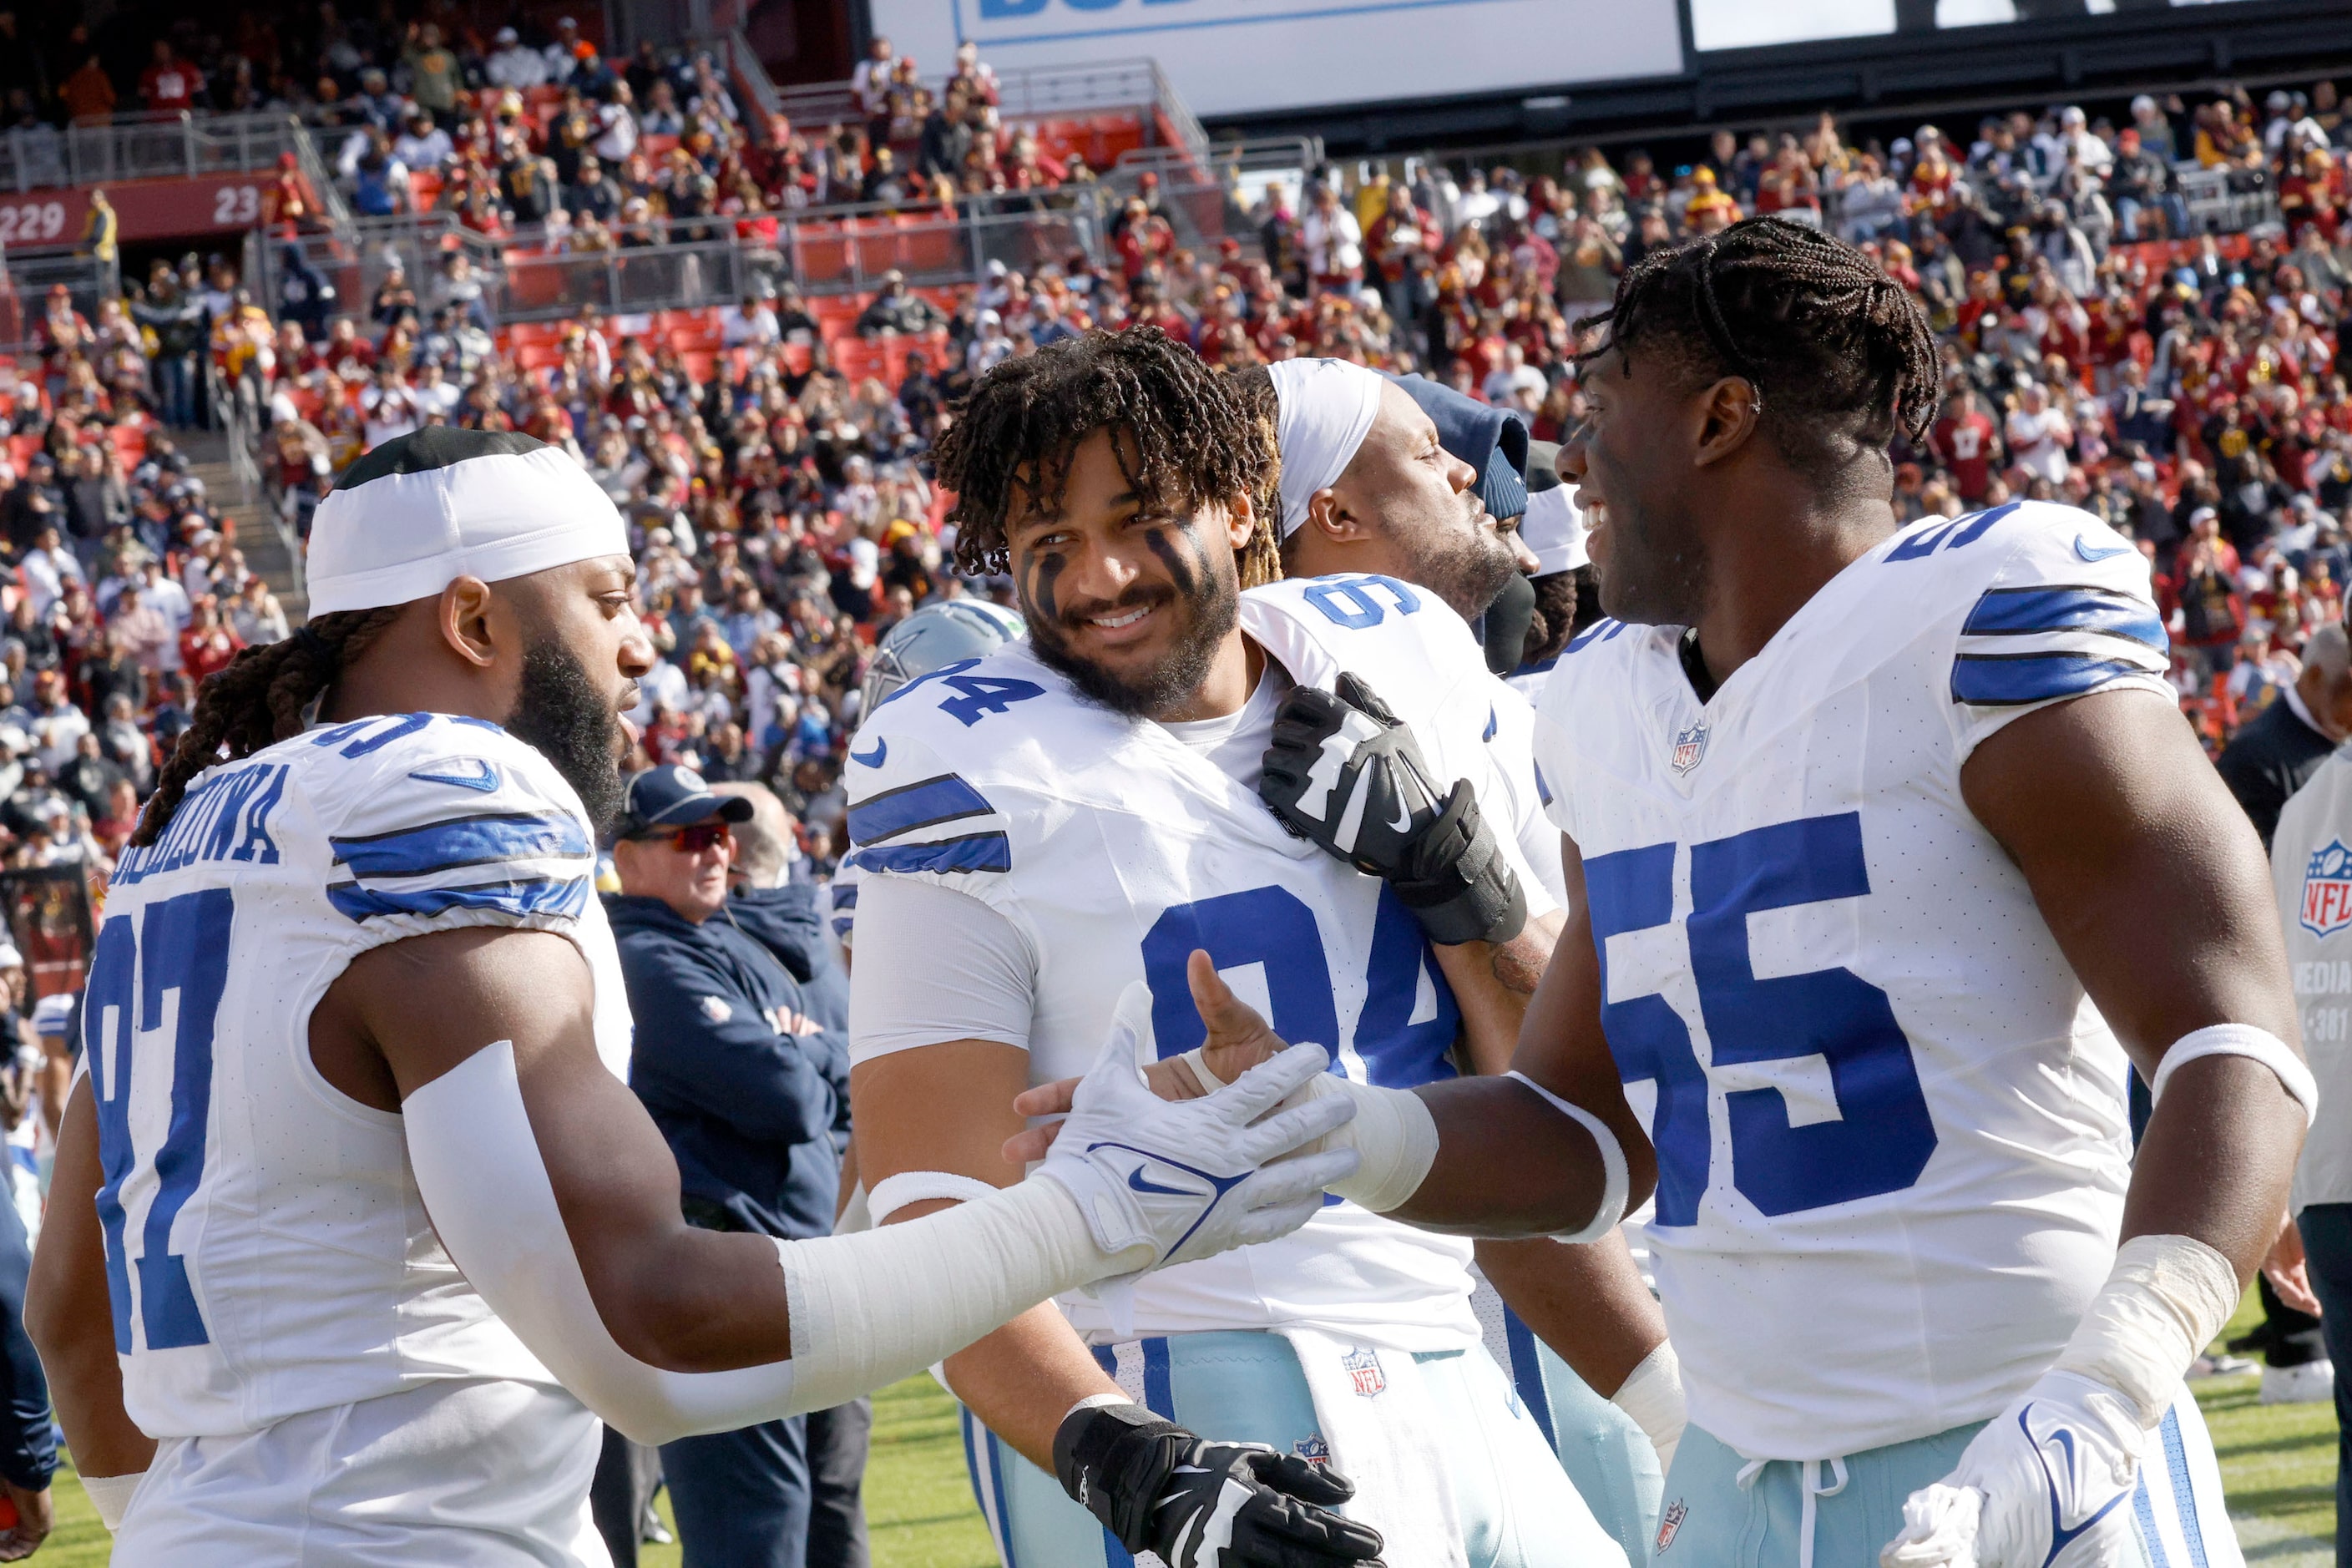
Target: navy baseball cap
point(671, 796)
point(1488, 438)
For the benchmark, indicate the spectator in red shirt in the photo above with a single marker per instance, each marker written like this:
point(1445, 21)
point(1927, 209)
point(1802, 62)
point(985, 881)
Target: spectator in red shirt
point(1963, 440)
point(170, 84)
point(207, 645)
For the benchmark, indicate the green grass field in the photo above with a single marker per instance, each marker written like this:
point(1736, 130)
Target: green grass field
point(2278, 1465)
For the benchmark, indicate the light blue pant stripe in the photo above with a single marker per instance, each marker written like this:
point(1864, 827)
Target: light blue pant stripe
point(2145, 1507)
point(1527, 1375)
point(2176, 1460)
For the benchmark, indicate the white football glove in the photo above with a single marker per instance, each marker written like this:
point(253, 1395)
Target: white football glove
point(2047, 1484)
point(1195, 1177)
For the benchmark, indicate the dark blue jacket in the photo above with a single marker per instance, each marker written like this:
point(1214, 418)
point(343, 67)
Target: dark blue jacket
point(789, 922)
point(754, 1117)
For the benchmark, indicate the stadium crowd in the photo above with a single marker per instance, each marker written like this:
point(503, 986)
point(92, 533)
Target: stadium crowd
point(2190, 390)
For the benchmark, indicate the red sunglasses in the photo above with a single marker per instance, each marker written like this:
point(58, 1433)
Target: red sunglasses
point(695, 839)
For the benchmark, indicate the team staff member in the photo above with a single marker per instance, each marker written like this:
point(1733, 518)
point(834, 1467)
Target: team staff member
point(788, 918)
point(2267, 761)
point(2310, 871)
point(751, 1096)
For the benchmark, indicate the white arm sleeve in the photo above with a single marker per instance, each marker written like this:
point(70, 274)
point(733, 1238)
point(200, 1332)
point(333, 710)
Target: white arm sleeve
point(934, 965)
point(867, 1309)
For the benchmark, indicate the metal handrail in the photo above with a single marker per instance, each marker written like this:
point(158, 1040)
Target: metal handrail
point(1038, 93)
point(181, 145)
point(743, 64)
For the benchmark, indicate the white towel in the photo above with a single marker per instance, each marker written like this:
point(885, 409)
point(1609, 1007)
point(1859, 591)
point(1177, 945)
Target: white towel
point(1375, 1411)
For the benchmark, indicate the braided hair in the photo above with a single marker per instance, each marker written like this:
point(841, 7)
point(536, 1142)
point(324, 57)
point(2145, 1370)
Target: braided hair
point(1192, 439)
point(1838, 353)
point(257, 701)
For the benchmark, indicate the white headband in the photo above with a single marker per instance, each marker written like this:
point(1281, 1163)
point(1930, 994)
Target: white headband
point(1554, 529)
point(1327, 406)
point(405, 536)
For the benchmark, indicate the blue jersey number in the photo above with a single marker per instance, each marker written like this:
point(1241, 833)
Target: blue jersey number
point(976, 696)
point(1350, 602)
point(1272, 927)
point(173, 969)
point(1883, 1135)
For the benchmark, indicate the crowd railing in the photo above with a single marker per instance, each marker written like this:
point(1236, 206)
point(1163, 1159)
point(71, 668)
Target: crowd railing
point(183, 145)
point(26, 276)
point(1041, 92)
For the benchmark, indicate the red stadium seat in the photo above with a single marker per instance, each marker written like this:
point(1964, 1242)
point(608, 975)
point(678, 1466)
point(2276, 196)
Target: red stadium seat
point(823, 252)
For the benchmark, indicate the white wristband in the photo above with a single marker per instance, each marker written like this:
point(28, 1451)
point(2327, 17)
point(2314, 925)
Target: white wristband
point(1392, 1134)
point(1615, 1180)
point(111, 1494)
point(2241, 1040)
point(2166, 1299)
point(892, 1193)
point(1652, 1394)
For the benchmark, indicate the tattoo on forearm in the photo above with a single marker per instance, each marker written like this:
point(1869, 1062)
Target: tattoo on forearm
point(1519, 963)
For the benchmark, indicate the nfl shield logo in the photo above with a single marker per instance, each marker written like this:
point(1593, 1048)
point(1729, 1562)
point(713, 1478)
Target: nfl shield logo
point(2328, 891)
point(1313, 1449)
point(1690, 746)
point(1670, 1523)
point(1364, 1368)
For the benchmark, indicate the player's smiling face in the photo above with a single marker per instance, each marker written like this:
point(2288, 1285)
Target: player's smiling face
point(1129, 598)
point(1632, 467)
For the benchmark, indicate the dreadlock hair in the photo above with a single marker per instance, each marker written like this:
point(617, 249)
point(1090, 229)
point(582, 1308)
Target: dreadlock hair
point(1181, 437)
point(257, 701)
point(1838, 354)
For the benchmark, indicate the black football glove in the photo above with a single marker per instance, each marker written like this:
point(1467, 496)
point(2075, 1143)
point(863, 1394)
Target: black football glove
point(1198, 1504)
point(1345, 772)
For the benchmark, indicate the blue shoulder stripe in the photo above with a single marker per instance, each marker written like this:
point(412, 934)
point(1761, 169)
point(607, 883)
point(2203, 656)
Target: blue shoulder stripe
point(1601, 630)
point(978, 852)
point(918, 805)
point(458, 841)
point(544, 896)
point(2005, 680)
point(2017, 612)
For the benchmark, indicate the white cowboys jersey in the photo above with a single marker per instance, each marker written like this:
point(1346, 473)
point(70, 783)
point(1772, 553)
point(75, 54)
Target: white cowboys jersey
point(1890, 1125)
point(267, 1252)
point(1115, 850)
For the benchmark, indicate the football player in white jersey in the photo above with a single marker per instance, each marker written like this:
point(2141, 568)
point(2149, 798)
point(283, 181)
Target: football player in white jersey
point(1348, 509)
point(355, 1219)
point(1037, 829)
point(1889, 852)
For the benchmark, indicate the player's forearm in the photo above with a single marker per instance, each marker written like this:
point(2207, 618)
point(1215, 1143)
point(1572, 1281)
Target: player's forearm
point(1510, 1166)
point(1022, 1380)
point(1493, 984)
point(1587, 1304)
point(2217, 1158)
point(86, 1392)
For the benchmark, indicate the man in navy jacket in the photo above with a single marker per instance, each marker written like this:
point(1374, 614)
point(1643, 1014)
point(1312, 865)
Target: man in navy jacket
point(753, 1097)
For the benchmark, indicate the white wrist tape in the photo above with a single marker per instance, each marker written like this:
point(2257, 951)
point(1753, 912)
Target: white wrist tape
point(486, 1191)
point(869, 1309)
point(1615, 1183)
point(111, 1494)
point(1653, 1395)
point(2166, 1299)
point(1392, 1134)
point(892, 1193)
point(1197, 1059)
point(2241, 1040)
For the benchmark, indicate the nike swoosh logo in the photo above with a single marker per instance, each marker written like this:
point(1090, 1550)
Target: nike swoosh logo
point(2083, 551)
point(1403, 823)
point(485, 781)
point(1135, 1179)
point(881, 750)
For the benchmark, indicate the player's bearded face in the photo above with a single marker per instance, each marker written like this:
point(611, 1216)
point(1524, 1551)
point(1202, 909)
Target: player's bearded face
point(1131, 604)
point(570, 720)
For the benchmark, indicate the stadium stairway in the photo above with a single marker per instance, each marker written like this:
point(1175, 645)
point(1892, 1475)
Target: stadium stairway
point(256, 531)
